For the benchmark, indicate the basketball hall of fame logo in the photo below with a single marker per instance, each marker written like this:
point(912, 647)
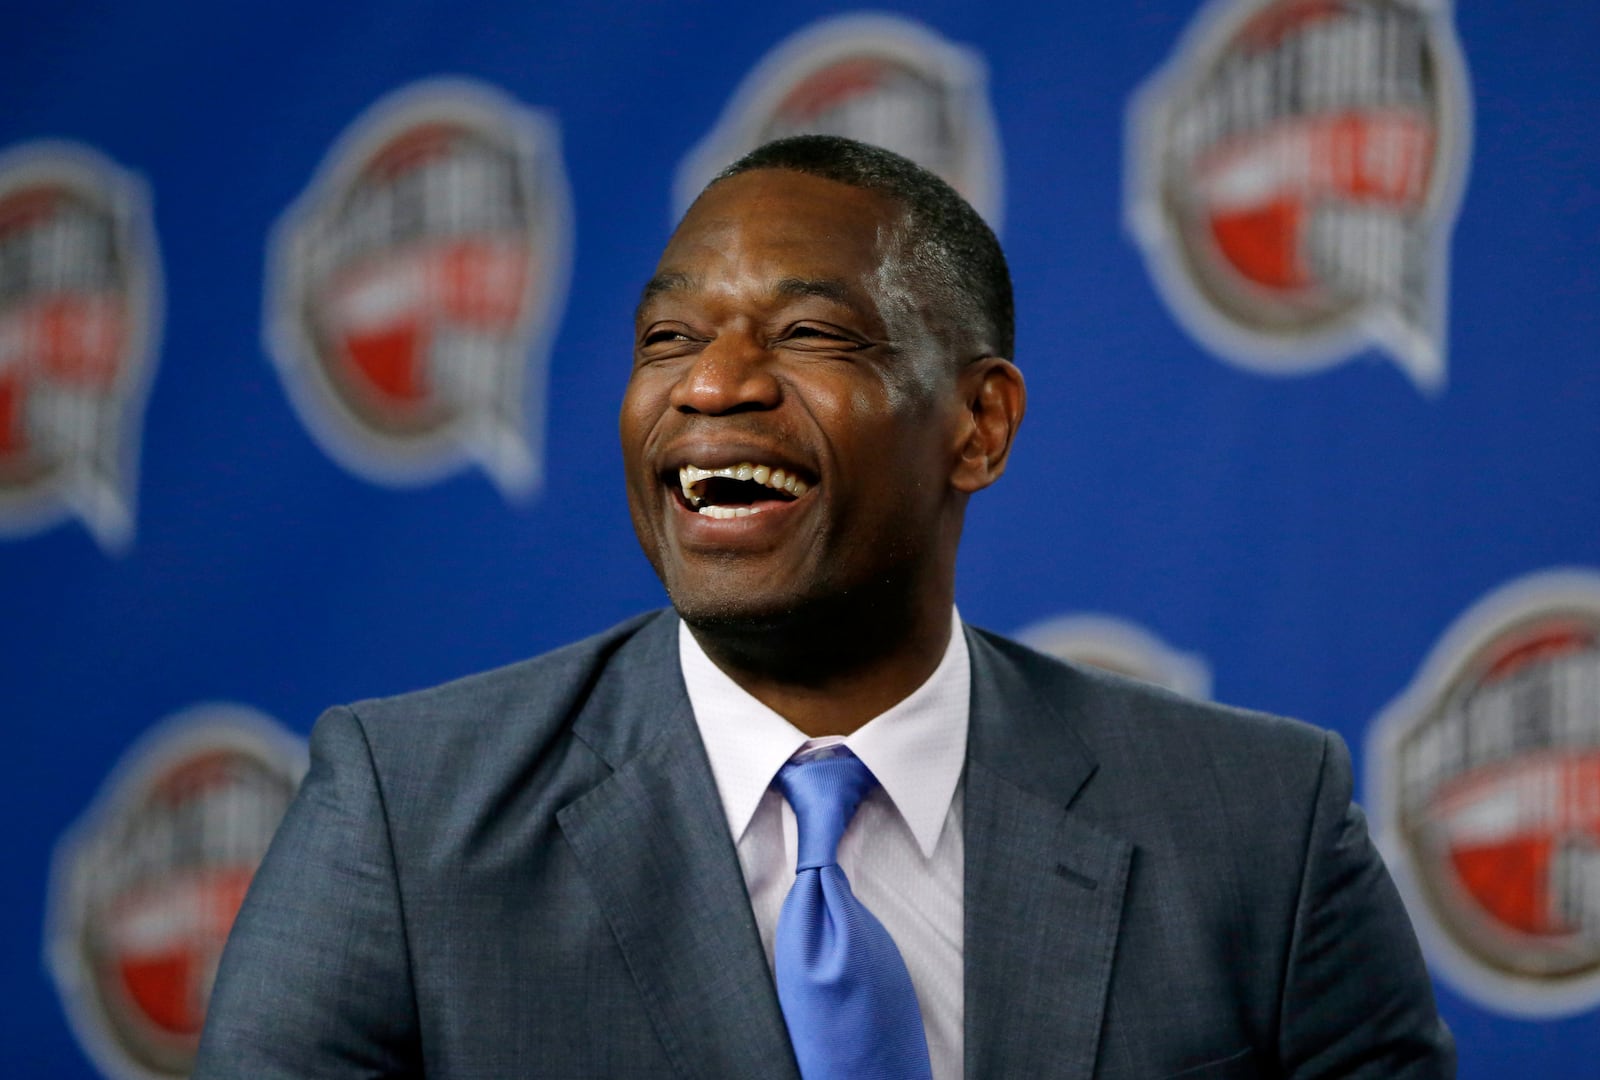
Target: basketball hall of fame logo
point(146, 885)
point(414, 288)
point(1120, 646)
point(1293, 178)
point(79, 301)
point(874, 78)
point(1486, 788)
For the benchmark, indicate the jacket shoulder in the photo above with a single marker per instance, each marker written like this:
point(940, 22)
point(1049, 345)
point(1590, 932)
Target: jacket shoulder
point(539, 688)
point(1116, 696)
point(1134, 729)
point(520, 716)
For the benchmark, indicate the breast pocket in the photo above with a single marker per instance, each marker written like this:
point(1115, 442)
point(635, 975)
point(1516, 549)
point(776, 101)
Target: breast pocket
point(1240, 1066)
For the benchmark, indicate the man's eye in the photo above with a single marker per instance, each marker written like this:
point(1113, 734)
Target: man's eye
point(658, 337)
point(815, 332)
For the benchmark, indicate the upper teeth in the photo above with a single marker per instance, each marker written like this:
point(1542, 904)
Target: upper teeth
point(690, 476)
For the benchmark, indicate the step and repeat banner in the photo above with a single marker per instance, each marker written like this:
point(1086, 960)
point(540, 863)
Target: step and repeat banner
point(314, 322)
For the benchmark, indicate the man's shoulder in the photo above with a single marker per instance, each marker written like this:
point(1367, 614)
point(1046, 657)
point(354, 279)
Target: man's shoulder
point(539, 692)
point(1120, 718)
point(1155, 762)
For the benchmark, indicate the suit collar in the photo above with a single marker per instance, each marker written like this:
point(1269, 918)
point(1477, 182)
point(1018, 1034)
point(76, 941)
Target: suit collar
point(1019, 728)
point(633, 692)
point(1044, 882)
point(654, 847)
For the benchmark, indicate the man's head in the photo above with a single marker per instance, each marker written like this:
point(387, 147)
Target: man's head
point(811, 319)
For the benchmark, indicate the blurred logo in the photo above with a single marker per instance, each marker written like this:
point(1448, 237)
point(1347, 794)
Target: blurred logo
point(146, 885)
point(1119, 646)
point(1487, 796)
point(414, 287)
point(79, 297)
point(874, 78)
point(1294, 174)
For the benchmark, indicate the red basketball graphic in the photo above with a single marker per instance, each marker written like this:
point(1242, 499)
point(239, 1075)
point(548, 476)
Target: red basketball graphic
point(875, 78)
point(415, 284)
point(148, 884)
point(79, 291)
point(1295, 171)
point(1490, 792)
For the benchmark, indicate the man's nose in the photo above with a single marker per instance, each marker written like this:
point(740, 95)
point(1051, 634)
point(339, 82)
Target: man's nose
point(731, 374)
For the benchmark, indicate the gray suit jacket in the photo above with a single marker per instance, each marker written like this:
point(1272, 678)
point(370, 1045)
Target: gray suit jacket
point(528, 873)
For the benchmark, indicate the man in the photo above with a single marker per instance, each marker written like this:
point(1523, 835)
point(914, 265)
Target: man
point(582, 865)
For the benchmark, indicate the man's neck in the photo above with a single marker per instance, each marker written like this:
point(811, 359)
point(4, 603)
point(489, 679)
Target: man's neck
point(833, 672)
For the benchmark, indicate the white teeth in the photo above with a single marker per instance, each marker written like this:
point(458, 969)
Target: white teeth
point(690, 477)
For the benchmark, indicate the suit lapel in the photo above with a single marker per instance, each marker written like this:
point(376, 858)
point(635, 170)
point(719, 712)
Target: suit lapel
point(1044, 887)
point(653, 843)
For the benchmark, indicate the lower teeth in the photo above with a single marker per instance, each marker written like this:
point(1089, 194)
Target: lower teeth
point(722, 512)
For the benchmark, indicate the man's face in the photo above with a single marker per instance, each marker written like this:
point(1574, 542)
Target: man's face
point(780, 342)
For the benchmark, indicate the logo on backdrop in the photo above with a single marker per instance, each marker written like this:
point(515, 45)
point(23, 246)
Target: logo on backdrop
point(1486, 790)
point(874, 78)
point(1294, 172)
point(147, 883)
point(1118, 645)
point(79, 299)
point(414, 288)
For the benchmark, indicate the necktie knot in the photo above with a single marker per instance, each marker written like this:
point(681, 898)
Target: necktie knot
point(825, 791)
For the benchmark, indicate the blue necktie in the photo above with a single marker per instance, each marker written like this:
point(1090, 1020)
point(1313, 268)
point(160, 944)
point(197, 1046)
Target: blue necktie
point(846, 995)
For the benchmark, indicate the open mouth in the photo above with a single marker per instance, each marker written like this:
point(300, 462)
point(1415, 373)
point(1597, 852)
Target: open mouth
point(737, 490)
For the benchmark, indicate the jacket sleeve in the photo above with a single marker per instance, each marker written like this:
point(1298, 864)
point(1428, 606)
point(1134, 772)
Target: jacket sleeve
point(1357, 1001)
point(315, 979)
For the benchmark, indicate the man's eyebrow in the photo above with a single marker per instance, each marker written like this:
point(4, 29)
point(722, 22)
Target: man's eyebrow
point(668, 281)
point(826, 288)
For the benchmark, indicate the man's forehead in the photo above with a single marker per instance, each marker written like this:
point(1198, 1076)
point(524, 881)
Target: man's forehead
point(783, 235)
point(669, 282)
point(796, 207)
point(792, 184)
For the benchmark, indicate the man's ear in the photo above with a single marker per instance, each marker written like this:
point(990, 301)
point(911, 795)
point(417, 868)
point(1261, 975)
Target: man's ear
point(994, 398)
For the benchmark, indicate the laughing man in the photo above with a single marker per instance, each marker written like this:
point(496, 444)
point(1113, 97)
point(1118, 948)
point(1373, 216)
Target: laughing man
point(808, 823)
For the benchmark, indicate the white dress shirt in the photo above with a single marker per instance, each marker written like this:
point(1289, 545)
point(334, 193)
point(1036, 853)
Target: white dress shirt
point(903, 849)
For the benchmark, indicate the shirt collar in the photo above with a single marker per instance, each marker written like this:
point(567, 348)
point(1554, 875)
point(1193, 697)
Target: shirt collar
point(916, 749)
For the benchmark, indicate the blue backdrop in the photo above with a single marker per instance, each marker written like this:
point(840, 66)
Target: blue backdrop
point(218, 541)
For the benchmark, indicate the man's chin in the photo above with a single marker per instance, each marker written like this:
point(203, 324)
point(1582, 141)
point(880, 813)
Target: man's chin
point(808, 618)
point(719, 613)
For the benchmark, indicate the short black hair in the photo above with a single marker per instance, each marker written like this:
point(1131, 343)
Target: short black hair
point(948, 245)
